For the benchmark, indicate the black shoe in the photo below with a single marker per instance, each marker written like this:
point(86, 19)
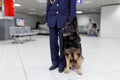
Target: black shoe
point(52, 67)
point(60, 70)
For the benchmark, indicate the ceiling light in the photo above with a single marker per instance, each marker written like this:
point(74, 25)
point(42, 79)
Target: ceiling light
point(32, 9)
point(79, 12)
point(93, 10)
point(40, 14)
point(41, 1)
point(32, 13)
point(44, 12)
point(17, 5)
point(87, 2)
point(79, 1)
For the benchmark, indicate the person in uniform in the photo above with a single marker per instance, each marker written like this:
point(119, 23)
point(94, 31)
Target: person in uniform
point(90, 27)
point(57, 12)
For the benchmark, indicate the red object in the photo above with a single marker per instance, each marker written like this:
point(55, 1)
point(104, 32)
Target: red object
point(9, 9)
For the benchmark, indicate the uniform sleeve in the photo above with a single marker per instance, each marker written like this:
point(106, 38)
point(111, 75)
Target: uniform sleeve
point(47, 9)
point(72, 9)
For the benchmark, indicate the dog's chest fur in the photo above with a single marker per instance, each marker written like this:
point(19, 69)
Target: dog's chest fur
point(72, 43)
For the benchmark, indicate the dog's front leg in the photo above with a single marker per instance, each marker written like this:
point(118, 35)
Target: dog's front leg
point(79, 71)
point(67, 69)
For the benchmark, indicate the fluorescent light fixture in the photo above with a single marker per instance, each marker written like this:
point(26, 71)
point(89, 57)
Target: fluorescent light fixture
point(87, 2)
point(79, 12)
point(32, 9)
point(41, 1)
point(79, 1)
point(44, 12)
point(93, 10)
point(32, 13)
point(17, 5)
point(40, 14)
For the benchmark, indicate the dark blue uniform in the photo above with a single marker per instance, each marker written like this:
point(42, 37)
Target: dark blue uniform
point(56, 17)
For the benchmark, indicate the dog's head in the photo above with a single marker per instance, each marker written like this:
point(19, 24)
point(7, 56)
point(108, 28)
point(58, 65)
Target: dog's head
point(70, 28)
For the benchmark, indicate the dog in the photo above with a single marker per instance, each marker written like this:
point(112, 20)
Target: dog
point(72, 46)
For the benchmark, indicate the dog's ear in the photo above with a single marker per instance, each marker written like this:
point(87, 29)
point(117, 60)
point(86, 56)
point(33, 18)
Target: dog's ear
point(75, 24)
point(74, 21)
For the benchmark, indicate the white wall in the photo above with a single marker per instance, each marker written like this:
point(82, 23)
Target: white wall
point(110, 21)
point(83, 19)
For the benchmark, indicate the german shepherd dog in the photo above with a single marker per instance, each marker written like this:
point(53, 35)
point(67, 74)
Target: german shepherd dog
point(72, 46)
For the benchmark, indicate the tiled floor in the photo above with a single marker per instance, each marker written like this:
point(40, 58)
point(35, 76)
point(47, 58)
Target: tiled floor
point(31, 60)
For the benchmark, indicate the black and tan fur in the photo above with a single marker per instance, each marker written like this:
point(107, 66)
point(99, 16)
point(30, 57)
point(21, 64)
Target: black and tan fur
point(72, 47)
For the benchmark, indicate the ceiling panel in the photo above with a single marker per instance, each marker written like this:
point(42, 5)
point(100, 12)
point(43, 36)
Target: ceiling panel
point(87, 6)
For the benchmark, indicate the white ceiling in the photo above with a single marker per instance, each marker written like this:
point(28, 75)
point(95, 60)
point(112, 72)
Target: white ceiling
point(38, 7)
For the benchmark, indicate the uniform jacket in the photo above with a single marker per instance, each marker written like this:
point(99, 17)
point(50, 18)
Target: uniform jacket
point(58, 12)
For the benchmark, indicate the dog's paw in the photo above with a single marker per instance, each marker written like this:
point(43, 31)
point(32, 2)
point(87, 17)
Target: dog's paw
point(79, 72)
point(67, 70)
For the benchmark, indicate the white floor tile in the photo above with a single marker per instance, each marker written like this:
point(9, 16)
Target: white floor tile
point(11, 67)
point(79, 78)
point(31, 60)
point(63, 76)
point(104, 76)
point(115, 75)
point(39, 73)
